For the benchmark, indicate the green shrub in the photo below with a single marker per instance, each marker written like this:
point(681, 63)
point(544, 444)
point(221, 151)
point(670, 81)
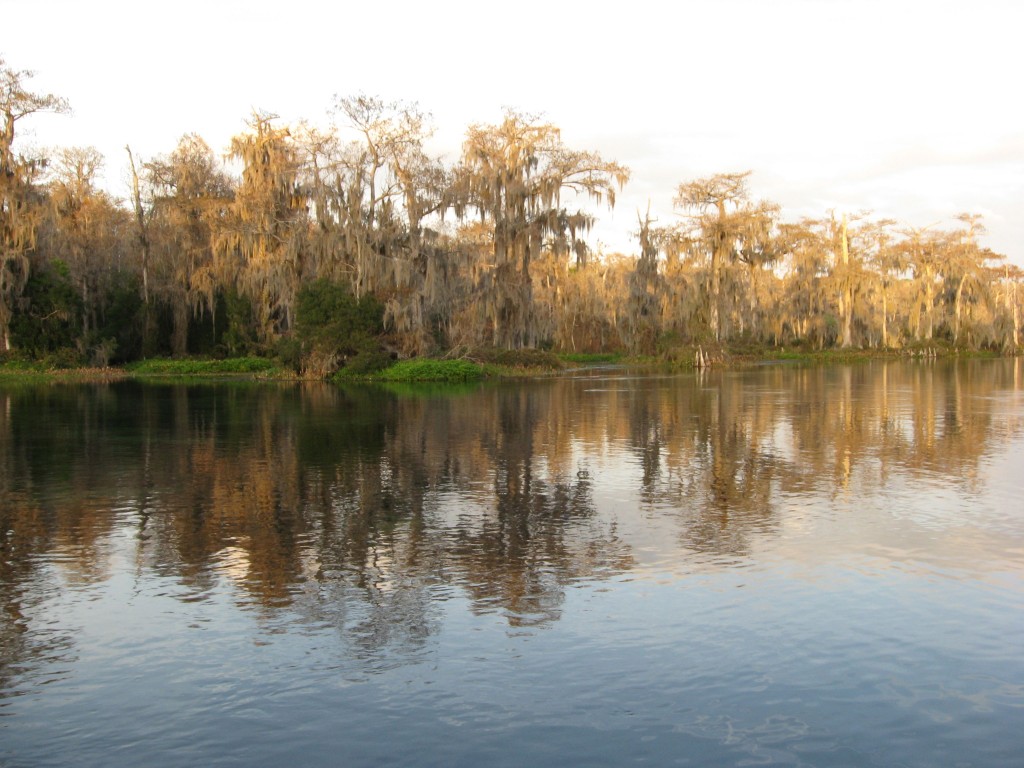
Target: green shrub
point(122, 322)
point(331, 325)
point(50, 317)
point(239, 335)
point(62, 359)
point(289, 352)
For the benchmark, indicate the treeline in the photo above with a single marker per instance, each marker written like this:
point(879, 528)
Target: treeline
point(323, 246)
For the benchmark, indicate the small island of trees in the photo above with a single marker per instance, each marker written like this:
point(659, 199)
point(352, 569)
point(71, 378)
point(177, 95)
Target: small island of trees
point(352, 246)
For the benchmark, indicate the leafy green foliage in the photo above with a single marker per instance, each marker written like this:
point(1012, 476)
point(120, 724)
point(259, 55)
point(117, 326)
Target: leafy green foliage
point(119, 337)
point(331, 325)
point(239, 336)
point(51, 315)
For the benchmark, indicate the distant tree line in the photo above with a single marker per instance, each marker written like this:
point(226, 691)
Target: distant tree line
point(321, 246)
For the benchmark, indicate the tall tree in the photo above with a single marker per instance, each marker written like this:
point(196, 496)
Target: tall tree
point(642, 316)
point(1011, 290)
point(20, 205)
point(845, 275)
point(141, 225)
point(887, 263)
point(922, 249)
point(400, 188)
point(77, 205)
point(87, 232)
point(967, 267)
point(513, 176)
point(805, 305)
point(728, 225)
point(191, 193)
point(259, 245)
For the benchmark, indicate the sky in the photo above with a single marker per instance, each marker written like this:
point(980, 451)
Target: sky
point(905, 109)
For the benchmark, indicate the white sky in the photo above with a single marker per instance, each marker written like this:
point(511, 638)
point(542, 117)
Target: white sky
point(909, 109)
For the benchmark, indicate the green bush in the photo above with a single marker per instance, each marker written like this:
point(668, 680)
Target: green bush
point(239, 335)
point(122, 321)
point(289, 352)
point(50, 317)
point(331, 325)
point(62, 359)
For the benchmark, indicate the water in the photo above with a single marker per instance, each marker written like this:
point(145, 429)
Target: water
point(780, 566)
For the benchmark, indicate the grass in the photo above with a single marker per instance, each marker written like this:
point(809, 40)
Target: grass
point(590, 358)
point(198, 367)
point(24, 370)
point(474, 366)
point(422, 369)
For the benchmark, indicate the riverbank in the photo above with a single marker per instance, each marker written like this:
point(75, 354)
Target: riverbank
point(477, 365)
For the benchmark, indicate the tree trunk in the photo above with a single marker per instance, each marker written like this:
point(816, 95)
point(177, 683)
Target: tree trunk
point(885, 318)
point(179, 332)
point(846, 297)
point(718, 255)
point(958, 306)
point(140, 221)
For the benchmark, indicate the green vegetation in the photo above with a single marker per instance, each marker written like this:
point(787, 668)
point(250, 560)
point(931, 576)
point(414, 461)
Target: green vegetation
point(590, 358)
point(334, 329)
point(516, 360)
point(433, 370)
point(194, 367)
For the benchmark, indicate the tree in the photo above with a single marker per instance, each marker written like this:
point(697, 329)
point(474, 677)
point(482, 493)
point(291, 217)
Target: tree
point(921, 250)
point(1009, 287)
point(845, 276)
point(51, 316)
point(642, 321)
point(805, 306)
point(20, 203)
point(88, 231)
point(729, 227)
point(887, 263)
point(75, 201)
point(190, 194)
point(332, 325)
point(512, 176)
point(259, 245)
point(966, 267)
point(394, 188)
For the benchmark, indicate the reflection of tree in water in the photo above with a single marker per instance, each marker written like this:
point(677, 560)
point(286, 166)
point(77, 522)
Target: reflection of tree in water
point(704, 457)
point(422, 510)
point(722, 452)
point(363, 511)
point(48, 504)
point(540, 533)
point(854, 427)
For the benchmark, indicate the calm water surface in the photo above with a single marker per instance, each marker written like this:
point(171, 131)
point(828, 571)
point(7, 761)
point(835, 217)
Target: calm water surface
point(781, 566)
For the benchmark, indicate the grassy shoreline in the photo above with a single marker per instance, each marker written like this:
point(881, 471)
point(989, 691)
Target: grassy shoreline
point(489, 365)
